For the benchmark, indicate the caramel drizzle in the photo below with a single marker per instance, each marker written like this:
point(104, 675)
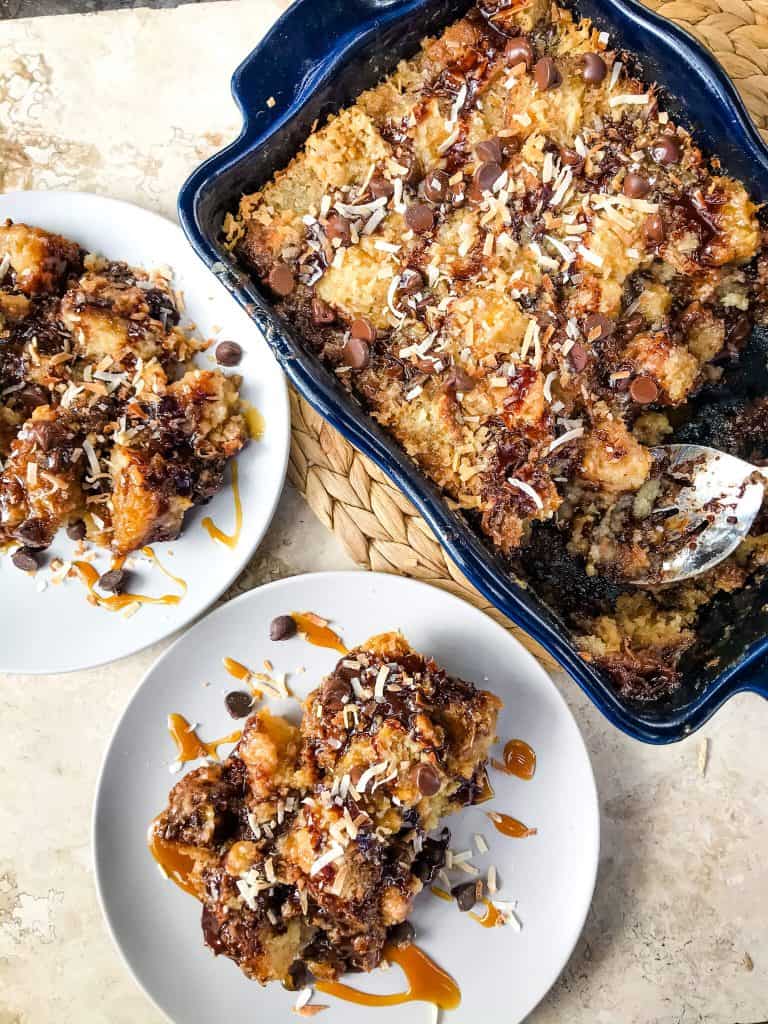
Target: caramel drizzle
point(254, 420)
point(509, 826)
point(175, 864)
point(486, 792)
point(229, 540)
point(237, 670)
point(426, 983)
point(519, 760)
point(189, 746)
point(312, 629)
point(492, 917)
point(116, 602)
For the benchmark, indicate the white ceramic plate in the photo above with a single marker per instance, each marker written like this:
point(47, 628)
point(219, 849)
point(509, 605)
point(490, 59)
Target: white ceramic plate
point(502, 973)
point(76, 634)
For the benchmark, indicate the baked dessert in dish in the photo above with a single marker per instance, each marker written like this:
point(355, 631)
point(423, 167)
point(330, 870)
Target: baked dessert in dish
point(106, 426)
point(308, 844)
point(525, 270)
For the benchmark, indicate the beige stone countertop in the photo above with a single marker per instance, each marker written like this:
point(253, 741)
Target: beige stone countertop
point(127, 103)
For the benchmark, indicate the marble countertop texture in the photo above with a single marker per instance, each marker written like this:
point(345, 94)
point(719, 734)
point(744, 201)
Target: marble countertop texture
point(127, 103)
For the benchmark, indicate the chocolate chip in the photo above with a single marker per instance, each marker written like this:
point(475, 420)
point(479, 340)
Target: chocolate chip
point(635, 185)
point(76, 530)
point(644, 390)
point(380, 186)
point(489, 151)
point(419, 218)
point(322, 313)
point(113, 581)
point(465, 895)
point(486, 175)
point(24, 559)
point(282, 627)
point(33, 533)
point(356, 353)
point(578, 356)
point(281, 280)
point(426, 779)
point(238, 703)
point(654, 228)
point(593, 69)
point(299, 976)
point(335, 692)
point(597, 327)
point(436, 186)
point(739, 330)
point(546, 74)
point(228, 353)
point(43, 433)
point(401, 935)
point(411, 282)
point(362, 328)
point(667, 150)
point(337, 226)
point(459, 380)
point(519, 51)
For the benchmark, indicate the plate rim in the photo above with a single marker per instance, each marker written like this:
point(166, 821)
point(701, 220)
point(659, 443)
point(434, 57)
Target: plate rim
point(281, 398)
point(594, 799)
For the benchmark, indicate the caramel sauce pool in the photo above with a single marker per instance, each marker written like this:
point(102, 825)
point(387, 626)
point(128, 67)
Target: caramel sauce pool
point(426, 983)
point(519, 760)
point(254, 420)
point(189, 746)
point(115, 602)
point(178, 866)
point(229, 540)
point(509, 826)
point(320, 636)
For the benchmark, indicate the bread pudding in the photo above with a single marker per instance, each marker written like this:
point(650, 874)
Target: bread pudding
point(308, 844)
point(520, 265)
point(106, 427)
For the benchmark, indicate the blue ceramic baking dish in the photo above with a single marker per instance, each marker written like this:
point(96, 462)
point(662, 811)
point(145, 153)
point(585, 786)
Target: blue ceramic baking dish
point(318, 57)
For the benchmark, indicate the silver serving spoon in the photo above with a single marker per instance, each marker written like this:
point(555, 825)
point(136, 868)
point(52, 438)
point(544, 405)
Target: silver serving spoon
point(718, 500)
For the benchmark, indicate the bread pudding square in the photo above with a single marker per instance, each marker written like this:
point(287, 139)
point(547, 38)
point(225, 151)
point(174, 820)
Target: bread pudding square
point(308, 844)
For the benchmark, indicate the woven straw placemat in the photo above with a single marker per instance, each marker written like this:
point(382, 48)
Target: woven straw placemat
point(377, 525)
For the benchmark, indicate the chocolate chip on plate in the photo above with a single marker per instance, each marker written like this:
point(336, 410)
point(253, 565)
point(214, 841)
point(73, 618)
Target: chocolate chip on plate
point(466, 894)
point(644, 390)
point(578, 356)
point(228, 353)
point(322, 313)
point(380, 186)
point(401, 935)
point(519, 51)
point(281, 279)
point(24, 559)
point(113, 581)
point(76, 530)
point(362, 328)
point(419, 218)
point(238, 703)
point(282, 627)
point(356, 353)
point(667, 150)
point(547, 74)
point(593, 68)
point(486, 175)
point(33, 533)
point(654, 228)
point(426, 779)
point(597, 327)
point(635, 185)
point(436, 186)
point(489, 151)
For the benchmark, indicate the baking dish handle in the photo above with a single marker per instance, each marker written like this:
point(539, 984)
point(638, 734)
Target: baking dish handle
point(754, 678)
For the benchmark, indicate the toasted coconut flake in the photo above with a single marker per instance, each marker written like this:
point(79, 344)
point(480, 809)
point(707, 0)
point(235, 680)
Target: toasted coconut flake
point(327, 858)
point(480, 843)
point(526, 488)
point(491, 880)
point(569, 435)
